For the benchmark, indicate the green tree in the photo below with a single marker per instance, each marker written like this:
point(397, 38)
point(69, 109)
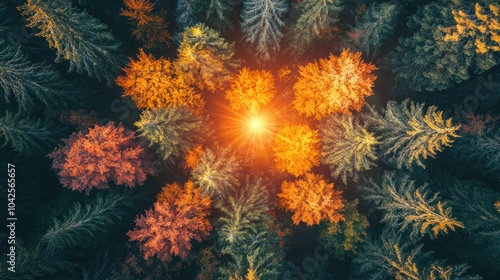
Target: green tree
point(315, 20)
point(207, 56)
point(218, 172)
point(185, 13)
point(375, 26)
point(410, 136)
point(347, 235)
point(347, 147)
point(432, 58)
point(406, 205)
point(79, 38)
point(391, 257)
point(28, 135)
point(33, 83)
point(218, 13)
point(173, 131)
point(262, 24)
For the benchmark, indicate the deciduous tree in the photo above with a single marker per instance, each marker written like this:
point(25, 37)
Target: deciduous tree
point(296, 149)
point(173, 131)
point(312, 200)
point(156, 83)
point(347, 147)
point(178, 217)
point(333, 85)
point(84, 41)
point(104, 153)
point(251, 90)
point(262, 23)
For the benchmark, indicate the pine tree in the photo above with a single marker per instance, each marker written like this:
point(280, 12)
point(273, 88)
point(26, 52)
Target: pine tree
point(173, 131)
point(33, 83)
point(28, 135)
point(406, 205)
point(218, 13)
point(262, 23)
point(78, 37)
point(315, 20)
point(347, 147)
point(435, 57)
point(410, 136)
point(218, 172)
point(345, 236)
point(375, 26)
point(207, 56)
point(185, 11)
point(392, 257)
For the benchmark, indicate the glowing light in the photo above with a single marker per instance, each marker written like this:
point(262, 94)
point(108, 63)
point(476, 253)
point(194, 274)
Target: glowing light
point(256, 124)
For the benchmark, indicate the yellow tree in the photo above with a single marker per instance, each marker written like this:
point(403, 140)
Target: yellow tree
point(482, 27)
point(333, 85)
point(156, 83)
point(296, 149)
point(251, 89)
point(311, 200)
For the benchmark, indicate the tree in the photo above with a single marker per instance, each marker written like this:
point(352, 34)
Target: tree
point(28, 135)
point(185, 11)
point(218, 12)
point(104, 153)
point(251, 90)
point(406, 205)
point(173, 131)
point(315, 20)
point(375, 26)
point(151, 27)
point(347, 147)
point(33, 83)
point(410, 136)
point(262, 23)
point(394, 258)
point(435, 57)
point(345, 236)
point(296, 149)
point(207, 56)
point(218, 172)
point(179, 216)
point(312, 200)
point(156, 83)
point(193, 157)
point(78, 37)
point(333, 85)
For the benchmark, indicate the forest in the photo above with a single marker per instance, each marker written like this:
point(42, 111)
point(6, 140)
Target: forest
point(250, 139)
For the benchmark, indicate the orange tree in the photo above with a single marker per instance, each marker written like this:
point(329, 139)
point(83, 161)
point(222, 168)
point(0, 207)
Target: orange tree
point(311, 200)
point(251, 90)
point(178, 216)
point(296, 149)
point(333, 85)
point(156, 83)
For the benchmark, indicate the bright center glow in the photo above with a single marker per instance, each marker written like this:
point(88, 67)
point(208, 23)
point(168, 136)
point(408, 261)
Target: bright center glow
point(256, 124)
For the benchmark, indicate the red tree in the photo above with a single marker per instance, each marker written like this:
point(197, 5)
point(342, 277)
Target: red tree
point(103, 154)
point(178, 216)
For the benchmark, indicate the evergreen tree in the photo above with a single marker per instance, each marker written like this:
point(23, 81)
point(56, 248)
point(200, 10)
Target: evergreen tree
point(375, 26)
point(185, 11)
point(406, 205)
point(207, 56)
point(408, 135)
point(78, 37)
point(218, 13)
point(392, 257)
point(436, 57)
point(28, 135)
point(262, 23)
point(347, 147)
point(31, 83)
point(172, 131)
point(315, 19)
point(217, 173)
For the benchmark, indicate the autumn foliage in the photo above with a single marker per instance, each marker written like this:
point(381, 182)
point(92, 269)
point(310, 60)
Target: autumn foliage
point(179, 216)
point(156, 83)
point(251, 89)
point(333, 85)
point(105, 153)
point(296, 149)
point(312, 200)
